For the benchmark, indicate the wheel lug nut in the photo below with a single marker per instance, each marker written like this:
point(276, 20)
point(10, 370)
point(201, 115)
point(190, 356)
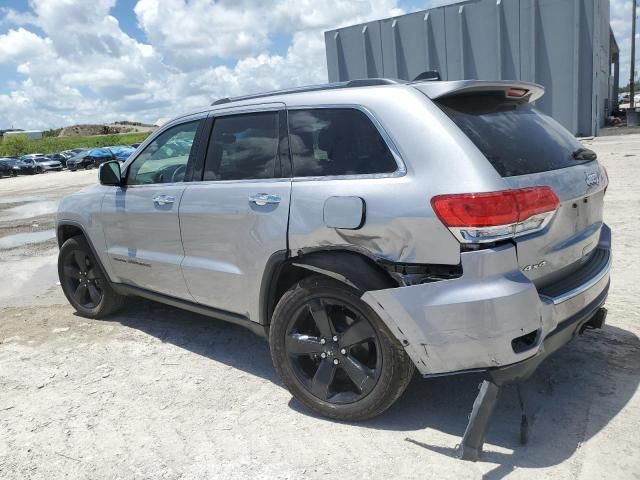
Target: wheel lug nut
point(335, 338)
point(323, 341)
point(343, 351)
point(336, 361)
point(323, 355)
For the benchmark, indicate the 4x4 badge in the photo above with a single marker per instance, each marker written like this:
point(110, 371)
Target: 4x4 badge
point(535, 266)
point(592, 179)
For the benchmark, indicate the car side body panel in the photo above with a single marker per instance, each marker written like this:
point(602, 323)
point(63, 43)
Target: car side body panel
point(228, 240)
point(143, 238)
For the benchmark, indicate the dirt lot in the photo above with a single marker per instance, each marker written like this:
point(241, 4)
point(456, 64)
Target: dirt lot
point(159, 393)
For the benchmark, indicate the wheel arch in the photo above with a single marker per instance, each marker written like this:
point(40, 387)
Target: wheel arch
point(352, 268)
point(67, 229)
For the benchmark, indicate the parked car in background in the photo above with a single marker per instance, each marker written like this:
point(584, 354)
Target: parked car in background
point(58, 157)
point(48, 164)
point(122, 153)
point(73, 152)
point(8, 167)
point(135, 145)
point(28, 166)
point(79, 161)
point(32, 156)
point(97, 156)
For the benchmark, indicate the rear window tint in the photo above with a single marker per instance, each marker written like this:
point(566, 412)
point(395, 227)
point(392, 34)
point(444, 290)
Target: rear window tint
point(336, 141)
point(516, 138)
point(243, 147)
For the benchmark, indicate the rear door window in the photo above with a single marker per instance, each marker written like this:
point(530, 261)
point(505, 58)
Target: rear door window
point(244, 147)
point(337, 141)
point(515, 137)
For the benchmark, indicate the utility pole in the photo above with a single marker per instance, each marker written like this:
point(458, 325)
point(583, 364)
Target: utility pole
point(632, 80)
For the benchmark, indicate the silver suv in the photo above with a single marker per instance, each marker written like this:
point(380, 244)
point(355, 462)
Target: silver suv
point(367, 229)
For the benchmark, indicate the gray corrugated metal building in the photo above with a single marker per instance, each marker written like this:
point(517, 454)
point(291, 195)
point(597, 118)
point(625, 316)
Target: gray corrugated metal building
point(565, 45)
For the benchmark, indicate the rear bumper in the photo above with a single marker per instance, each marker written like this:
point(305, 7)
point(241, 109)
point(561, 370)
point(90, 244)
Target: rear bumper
point(492, 317)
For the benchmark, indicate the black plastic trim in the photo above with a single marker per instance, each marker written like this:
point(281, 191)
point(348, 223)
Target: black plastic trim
point(72, 223)
point(284, 150)
point(196, 158)
point(198, 166)
point(593, 267)
point(350, 267)
point(269, 284)
point(237, 319)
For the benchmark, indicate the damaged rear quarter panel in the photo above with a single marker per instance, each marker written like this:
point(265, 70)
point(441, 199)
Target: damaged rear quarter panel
point(397, 227)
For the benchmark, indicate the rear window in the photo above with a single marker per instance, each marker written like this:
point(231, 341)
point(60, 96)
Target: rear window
point(243, 147)
point(516, 138)
point(337, 141)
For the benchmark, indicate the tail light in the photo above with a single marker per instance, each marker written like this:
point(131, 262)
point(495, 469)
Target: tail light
point(516, 92)
point(492, 216)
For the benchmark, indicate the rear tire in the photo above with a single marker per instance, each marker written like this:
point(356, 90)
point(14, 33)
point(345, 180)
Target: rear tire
point(333, 352)
point(83, 282)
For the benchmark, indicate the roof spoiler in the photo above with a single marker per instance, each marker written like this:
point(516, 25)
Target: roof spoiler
point(429, 75)
point(513, 89)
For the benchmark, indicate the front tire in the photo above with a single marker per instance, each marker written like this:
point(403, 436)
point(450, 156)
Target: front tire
point(333, 352)
point(83, 282)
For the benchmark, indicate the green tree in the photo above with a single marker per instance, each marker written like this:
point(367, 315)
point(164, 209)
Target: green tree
point(15, 145)
point(54, 132)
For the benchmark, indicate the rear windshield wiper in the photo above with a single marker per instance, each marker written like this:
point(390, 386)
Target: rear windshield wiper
point(584, 154)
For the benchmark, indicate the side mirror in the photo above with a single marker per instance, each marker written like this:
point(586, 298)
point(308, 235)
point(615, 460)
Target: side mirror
point(109, 173)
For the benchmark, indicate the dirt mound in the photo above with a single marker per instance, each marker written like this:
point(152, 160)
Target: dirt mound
point(88, 130)
point(105, 129)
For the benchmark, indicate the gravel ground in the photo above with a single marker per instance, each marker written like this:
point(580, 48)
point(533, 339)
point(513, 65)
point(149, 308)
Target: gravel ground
point(156, 392)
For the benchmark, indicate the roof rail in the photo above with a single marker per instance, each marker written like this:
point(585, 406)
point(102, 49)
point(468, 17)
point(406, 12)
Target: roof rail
point(362, 82)
point(369, 82)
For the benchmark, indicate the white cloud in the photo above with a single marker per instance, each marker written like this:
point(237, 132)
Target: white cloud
point(194, 34)
point(20, 44)
point(79, 65)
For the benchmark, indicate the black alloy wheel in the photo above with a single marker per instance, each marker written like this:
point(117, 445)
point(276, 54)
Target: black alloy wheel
point(333, 352)
point(83, 281)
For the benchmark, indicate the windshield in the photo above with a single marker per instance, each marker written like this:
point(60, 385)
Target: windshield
point(515, 137)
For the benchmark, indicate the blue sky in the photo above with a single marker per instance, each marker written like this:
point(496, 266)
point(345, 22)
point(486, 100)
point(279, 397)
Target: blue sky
point(70, 61)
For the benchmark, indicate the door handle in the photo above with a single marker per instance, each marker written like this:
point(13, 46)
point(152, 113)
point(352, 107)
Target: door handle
point(265, 199)
point(163, 199)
